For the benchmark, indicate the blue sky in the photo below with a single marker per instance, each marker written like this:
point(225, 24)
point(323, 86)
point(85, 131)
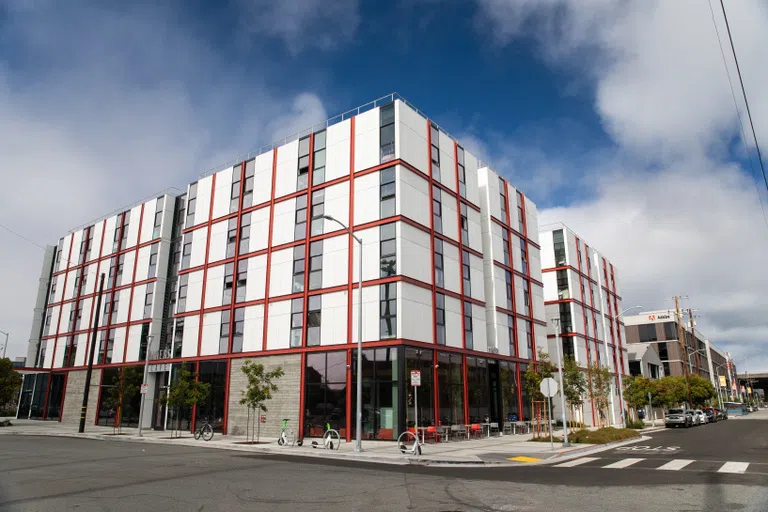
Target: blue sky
point(614, 116)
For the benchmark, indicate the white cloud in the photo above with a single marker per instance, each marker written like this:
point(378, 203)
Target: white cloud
point(302, 24)
point(97, 119)
point(672, 208)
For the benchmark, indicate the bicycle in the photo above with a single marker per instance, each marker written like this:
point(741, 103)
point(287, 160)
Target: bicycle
point(204, 430)
point(408, 442)
point(286, 435)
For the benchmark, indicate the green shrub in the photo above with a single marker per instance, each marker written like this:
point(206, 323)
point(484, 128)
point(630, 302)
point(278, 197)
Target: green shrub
point(603, 435)
point(637, 424)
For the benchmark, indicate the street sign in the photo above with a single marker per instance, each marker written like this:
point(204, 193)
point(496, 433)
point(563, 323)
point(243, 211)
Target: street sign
point(722, 380)
point(548, 387)
point(415, 378)
point(263, 418)
point(144, 389)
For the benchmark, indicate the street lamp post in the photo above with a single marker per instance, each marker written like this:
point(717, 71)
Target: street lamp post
point(5, 347)
point(359, 415)
point(619, 371)
point(144, 383)
point(556, 323)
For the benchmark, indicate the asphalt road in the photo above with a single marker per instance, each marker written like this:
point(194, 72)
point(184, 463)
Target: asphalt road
point(41, 473)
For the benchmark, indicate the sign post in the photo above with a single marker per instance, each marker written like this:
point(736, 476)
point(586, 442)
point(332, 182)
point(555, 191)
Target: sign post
point(548, 388)
point(415, 383)
point(650, 410)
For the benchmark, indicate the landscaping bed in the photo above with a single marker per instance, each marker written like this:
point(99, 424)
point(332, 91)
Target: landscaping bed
point(600, 436)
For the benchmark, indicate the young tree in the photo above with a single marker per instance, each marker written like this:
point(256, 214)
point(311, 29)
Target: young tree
point(668, 392)
point(184, 392)
point(702, 390)
point(10, 383)
point(636, 391)
point(125, 386)
point(600, 381)
point(575, 384)
point(258, 390)
point(535, 374)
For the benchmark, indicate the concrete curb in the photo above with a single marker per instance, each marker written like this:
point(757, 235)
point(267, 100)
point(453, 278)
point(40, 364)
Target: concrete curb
point(588, 450)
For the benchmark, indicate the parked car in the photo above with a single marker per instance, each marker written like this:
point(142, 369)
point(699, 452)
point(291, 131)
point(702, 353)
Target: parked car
point(696, 418)
point(703, 420)
point(678, 418)
point(711, 415)
point(722, 414)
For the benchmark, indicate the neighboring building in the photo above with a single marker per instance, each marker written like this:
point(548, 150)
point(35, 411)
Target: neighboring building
point(19, 362)
point(241, 267)
point(660, 330)
point(644, 361)
point(581, 292)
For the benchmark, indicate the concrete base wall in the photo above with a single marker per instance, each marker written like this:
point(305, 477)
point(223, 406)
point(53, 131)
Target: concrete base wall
point(73, 397)
point(284, 403)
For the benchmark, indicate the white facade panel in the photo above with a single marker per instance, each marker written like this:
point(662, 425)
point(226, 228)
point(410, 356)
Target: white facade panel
point(148, 221)
point(537, 302)
point(532, 220)
point(142, 264)
point(223, 191)
point(284, 222)
point(262, 177)
point(199, 241)
point(454, 333)
point(414, 253)
point(451, 268)
point(333, 326)
point(470, 173)
point(253, 328)
point(335, 261)
point(287, 169)
point(550, 286)
point(281, 273)
point(447, 163)
point(367, 139)
point(450, 217)
point(370, 311)
point(122, 310)
point(194, 290)
point(279, 326)
point(415, 307)
point(128, 261)
point(118, 349)
point(581, 351)
point(259, 230)
point(190, 336)
point(58, 358)
point(217, 249)
point(337, 206)
point(134, 344)
point(371, 251)
point(82, 346)
point(337, 144)
point(504, 340)
point(367, 198)
point(203, 201)
point(257, 278)
point(98, 233)
point(49, 348)
point(137, 307)
point(480, 341)
point(411, 137)
point(211, 330)
point(133, 230)
point(475, 231)
point(413, 196)
point(547, 252)
point(476, 278)
point(108, 244)
point(214, 287)
point(85, 310)
point(522, 340)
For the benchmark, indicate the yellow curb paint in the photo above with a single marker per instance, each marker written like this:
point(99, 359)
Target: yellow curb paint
point(522, 458)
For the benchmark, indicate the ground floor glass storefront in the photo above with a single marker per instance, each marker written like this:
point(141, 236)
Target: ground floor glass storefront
point(42, 396)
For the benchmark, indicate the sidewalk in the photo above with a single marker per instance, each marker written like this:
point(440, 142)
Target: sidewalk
point(498, 450)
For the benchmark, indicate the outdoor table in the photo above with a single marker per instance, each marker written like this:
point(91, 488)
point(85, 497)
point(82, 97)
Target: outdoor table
point(488, 427)
point(444, 431)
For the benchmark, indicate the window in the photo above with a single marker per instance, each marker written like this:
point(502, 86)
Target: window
point(107, 308)
point(568, 346)
point(523, 256)
point(468, 339)
point(565, 318)
point(503, 198)
point(647, 332)
point(83, 248)
point(314, 317)
point(47, 327)
point(464, 225)
point(439, 264)
point(186, 251)
point(508, 287)
point(435, 140)
point(89, 245)
point(387, 192)
point(557, 238)
point(316, 265)
point(229, 277)
point(231, 237)
point(387, 250)
point(115, 307)
point(297, 321)
point(78, 318)
point(144, 342)
point(440, 317)
point(102, 346)
point(300, 228)
point(303, 172)
point(388, 310)
point(179, 216)
point(238, 329)
point(148, 298)
point(298, 269)
point(521, 225)
point(250, 170)
point(234, 197)
point(76, 284)
point(119, 275)
point(318, 209)
point(58, 253)
point(116, 239)
point(181, 304)
point(511, 331)
point(110, 346)
point(224, 332)
point(178, 337)
point(526, 301)
point(153, 260)
point(191, 203)
point(529, 338)
point(70, 351)
point(245, 233)
point(562, 285)
point(505, 245)
point(465, 273)
point(53, 289)
point(318, 159)
point(462, 171)
point(670, 331)
point(437, 209)
point(158, 216)
point(242, 280)
point(387, 132)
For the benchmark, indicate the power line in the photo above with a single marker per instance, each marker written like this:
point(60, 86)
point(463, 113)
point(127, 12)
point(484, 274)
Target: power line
point(22, 236)
point(738, 114)
point(744, 92)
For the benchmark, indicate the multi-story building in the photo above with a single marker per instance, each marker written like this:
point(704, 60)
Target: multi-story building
point(582, 297)
point(661, 329)
point(251, 264)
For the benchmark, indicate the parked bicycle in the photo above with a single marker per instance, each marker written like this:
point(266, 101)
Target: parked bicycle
point(287, 435)
point(204, 430)
point(408, 442)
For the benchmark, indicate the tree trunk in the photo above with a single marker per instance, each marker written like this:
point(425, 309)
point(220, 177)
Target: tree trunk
point(258, 432)
point(247, 423)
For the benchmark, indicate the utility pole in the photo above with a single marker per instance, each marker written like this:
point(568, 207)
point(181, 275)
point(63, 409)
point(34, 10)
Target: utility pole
point(693, 340)
point(684, 352)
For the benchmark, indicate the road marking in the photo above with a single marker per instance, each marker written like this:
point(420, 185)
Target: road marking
point(623, 463)
point(676, 465)
point(522, 458)
point(576, 462)
point(734, 467)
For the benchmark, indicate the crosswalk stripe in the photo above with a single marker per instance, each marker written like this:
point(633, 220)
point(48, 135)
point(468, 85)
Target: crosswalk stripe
point(576, 462)
point(676, 465)
point(622, 463)
point(734, 467)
